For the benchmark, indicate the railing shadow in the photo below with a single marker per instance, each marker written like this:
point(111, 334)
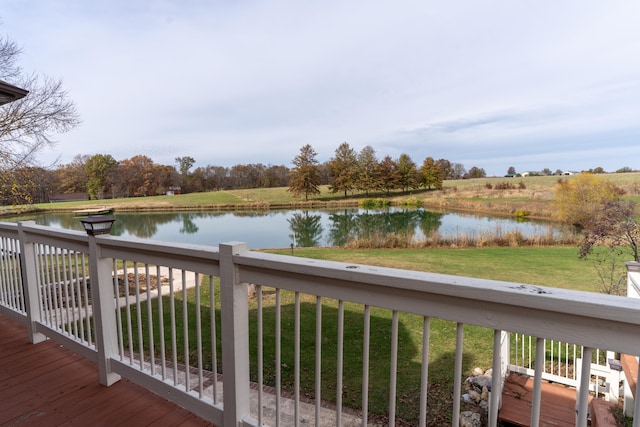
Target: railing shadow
point(441, 368)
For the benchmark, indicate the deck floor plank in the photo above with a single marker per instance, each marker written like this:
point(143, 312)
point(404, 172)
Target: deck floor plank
point(556, 409)
point(45, 384)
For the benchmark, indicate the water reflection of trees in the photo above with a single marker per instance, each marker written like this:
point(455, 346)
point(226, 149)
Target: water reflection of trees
point(348, 226)
point(307, 229)
point(146, 225)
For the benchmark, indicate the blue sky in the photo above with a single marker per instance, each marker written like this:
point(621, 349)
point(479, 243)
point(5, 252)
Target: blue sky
point(535, 84)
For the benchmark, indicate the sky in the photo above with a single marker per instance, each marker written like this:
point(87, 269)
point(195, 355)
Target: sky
point(492, 84)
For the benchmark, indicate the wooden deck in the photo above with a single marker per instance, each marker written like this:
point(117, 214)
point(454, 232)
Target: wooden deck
point(557, 406)
point(46, 385)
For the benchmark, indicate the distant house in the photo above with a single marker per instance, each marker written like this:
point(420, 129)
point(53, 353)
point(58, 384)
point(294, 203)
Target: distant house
point(172, 191)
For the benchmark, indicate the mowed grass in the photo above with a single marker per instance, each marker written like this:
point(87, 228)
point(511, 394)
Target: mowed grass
point(557, 266)
point(477, 344)
point(552, 266)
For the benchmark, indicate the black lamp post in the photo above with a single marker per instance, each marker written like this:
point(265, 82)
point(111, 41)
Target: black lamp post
point(98, 224)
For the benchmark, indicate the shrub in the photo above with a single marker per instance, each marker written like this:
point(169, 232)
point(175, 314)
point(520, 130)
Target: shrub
point(373, 203)
point(504, 186)
point(579, 200)
point(412, 202)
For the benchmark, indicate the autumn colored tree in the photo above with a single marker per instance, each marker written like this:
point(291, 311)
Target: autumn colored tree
point(368, 174)
point(446, 168)
point(305, 177)
point(25, 185)
point(209, 178)
point(579, 200)
point(72, 177)
point(342, 169)
point(407, 172)
point(476, 172)
point(430, 174)
point(275, 176)
point(389, 179)
point(136, 177)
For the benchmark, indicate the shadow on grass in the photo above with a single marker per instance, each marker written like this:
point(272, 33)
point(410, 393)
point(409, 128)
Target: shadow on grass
point(441, 351)
point(372, 195)
point(441, 365)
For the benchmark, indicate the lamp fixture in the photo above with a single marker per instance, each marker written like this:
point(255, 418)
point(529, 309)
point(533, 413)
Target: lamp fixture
point(97, 224)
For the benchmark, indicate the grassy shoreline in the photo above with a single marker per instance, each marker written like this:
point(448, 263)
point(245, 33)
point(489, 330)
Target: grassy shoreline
point(525, 196)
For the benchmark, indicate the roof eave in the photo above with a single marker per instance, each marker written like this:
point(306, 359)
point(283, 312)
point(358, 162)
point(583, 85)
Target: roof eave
point(10, 93)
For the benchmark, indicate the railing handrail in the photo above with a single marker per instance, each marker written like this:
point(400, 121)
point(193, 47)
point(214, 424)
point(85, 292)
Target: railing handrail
point(560, 314)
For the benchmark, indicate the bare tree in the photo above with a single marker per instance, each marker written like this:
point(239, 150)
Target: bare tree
point(28, 125)
point(613, 225)
point(610, 237)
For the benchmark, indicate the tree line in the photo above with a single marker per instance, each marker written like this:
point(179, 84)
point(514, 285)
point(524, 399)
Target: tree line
point(101, 176)
point(348, 171)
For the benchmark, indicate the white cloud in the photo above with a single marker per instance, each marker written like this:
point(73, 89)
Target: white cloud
point(481, 83)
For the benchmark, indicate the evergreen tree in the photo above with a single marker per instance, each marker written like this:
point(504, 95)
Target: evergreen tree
point(305, 176)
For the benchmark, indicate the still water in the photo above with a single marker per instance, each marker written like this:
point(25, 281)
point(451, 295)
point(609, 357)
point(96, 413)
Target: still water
point(302, 228)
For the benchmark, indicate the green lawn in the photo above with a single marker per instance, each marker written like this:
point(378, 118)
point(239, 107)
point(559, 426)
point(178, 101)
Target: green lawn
point(554, 266)
point(543, 266)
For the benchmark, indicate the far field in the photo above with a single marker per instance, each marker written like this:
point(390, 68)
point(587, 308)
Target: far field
point(531, 195)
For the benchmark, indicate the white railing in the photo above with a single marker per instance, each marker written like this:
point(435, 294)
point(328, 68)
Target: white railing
point(563, 364)
point(200, 337)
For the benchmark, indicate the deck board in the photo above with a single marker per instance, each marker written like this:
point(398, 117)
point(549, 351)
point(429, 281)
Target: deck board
point(630, 368)
point(45, 384)
point(557, 406)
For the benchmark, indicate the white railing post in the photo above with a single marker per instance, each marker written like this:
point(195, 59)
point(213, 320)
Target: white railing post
point(536, 399)
point(505, 356)
point(613, 379)
point(633, 279)
point(29, 271)
point(234, 307)
point(582, 398)
point(496, 379)
point(104, 315)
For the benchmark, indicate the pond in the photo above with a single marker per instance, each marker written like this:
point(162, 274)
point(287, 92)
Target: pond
point(302, 228)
